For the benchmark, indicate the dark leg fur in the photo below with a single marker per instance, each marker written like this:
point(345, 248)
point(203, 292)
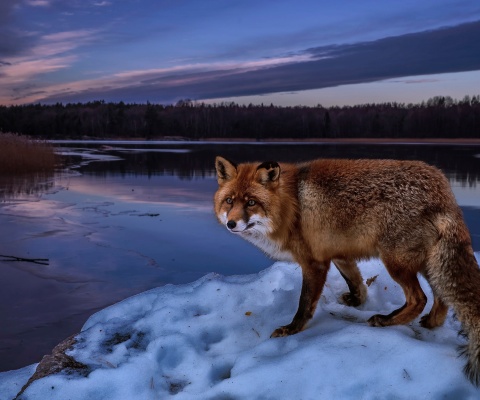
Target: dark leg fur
point(415, 298)
point(312, 285)
point(358, 291)
point(436, 316)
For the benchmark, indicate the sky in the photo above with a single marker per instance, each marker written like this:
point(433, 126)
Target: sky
point(287, 53)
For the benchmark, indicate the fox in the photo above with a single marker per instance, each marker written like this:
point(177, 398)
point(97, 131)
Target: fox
point(341, 211)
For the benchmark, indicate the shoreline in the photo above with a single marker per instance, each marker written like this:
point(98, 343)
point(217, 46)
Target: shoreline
point(361, 140)
point(213, 140)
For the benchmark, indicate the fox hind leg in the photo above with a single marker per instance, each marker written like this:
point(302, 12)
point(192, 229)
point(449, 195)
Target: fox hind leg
point(438, 313)
point(436, 316)
point(414, 296)
point(358, 290)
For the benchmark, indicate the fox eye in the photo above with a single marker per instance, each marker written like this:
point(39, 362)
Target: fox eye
point(251, 202)
point(229, 200)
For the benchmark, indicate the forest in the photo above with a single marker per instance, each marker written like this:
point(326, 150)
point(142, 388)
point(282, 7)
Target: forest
point(438, 117)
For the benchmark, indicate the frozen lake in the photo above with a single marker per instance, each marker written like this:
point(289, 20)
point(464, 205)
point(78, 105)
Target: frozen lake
point(128, 217)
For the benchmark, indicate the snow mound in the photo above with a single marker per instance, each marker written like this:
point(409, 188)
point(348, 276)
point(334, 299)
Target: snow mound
point(210, 340)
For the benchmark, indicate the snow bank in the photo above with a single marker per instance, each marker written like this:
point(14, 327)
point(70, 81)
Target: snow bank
point(210, 340)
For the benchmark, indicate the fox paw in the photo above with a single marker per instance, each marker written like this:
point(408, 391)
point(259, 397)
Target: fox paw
point(350, 300)
point(378, 320)
point(428, 322)
point(284, 331)
point(425, 322)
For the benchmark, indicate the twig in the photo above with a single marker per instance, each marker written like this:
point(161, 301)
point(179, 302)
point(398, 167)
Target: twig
point(41, 261)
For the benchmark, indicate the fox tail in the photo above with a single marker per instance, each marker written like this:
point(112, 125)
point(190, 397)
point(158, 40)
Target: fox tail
point(455, 276)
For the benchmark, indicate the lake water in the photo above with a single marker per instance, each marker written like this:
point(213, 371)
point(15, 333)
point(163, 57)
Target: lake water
point(130, 216)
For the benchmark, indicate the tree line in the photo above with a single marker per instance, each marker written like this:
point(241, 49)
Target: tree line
point(438, 117)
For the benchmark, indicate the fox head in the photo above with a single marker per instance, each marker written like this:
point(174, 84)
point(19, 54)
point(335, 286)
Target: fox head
point(245, 199)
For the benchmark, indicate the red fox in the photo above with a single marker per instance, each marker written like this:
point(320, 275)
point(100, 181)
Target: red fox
point(341, 211)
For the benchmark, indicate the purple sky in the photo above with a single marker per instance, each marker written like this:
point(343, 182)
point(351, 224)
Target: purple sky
point(281, 52)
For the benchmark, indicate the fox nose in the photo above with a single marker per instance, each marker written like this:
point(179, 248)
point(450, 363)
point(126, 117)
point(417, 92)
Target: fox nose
point(231, 224)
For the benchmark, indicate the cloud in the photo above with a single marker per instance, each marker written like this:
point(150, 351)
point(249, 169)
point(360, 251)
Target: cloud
point(52, 52)
point(16, 42)
point(13, 41)
point(133, 80)
point(62, 42)
point(39, 3)
point(197, 72)
point(452, 49)
point(410, 81)
point(24, 70)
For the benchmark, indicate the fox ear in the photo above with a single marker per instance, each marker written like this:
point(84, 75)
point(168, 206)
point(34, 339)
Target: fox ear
point(268, 172)
point(226, 170)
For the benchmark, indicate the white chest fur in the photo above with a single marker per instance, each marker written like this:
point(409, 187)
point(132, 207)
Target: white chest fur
point(269, 247)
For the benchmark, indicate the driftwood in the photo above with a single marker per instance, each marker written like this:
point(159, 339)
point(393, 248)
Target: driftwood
point(42, 261)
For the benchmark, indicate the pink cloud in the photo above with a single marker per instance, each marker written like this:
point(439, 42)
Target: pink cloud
point(39, 3)
point(409, 81)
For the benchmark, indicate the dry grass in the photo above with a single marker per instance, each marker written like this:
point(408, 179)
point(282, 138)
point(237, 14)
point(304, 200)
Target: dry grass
point(20, 154)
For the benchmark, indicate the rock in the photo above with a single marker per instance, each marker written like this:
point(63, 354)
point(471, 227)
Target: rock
point(57, 362)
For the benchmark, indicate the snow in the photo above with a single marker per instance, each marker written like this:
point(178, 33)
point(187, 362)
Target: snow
point(210, 340)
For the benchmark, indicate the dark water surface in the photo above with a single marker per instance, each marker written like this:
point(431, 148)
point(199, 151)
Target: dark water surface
point(132, 216)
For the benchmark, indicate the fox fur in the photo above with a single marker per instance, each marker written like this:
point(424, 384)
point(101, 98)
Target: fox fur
point(341, 211)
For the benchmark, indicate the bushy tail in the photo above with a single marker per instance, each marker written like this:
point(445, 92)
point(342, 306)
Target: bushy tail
point(471, 352)
point(455, 276)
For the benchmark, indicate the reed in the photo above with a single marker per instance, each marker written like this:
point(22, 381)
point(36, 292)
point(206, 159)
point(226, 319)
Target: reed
point(21, 154)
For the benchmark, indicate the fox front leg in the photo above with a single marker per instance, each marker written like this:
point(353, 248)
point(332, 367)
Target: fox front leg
point(314, 277)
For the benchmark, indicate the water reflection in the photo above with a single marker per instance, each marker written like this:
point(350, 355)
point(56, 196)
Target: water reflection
point(24, 186)
point(137, 218)
point(196, 160)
